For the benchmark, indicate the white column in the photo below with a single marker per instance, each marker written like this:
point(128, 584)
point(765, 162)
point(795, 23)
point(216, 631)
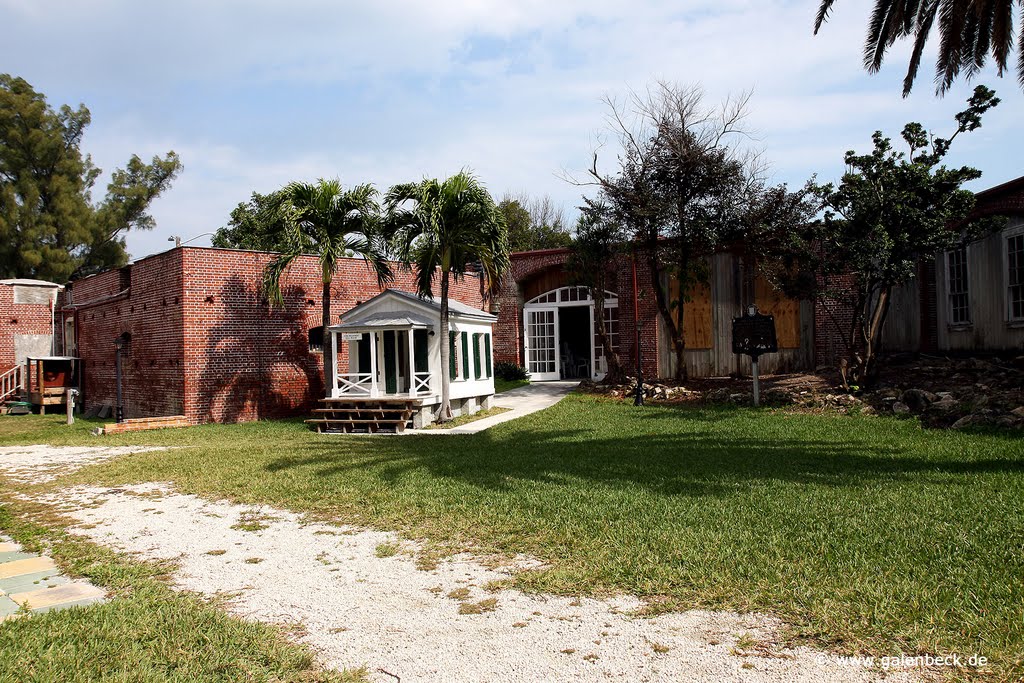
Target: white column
point(332, 379)
point(373, 364)
point(412, 364)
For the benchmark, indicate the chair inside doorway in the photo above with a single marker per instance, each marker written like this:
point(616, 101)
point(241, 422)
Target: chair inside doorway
point(575, 343)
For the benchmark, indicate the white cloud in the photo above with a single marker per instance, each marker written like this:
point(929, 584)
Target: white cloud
point(253, 94)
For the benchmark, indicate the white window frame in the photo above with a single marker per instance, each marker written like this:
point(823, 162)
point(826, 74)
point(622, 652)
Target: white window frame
point(1007, 235)
point(958, 324)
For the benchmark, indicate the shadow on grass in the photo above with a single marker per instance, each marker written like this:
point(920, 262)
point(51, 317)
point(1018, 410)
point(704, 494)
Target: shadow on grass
point(693, 462)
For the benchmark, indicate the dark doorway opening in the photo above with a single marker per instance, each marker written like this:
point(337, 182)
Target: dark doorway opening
point(574, 342)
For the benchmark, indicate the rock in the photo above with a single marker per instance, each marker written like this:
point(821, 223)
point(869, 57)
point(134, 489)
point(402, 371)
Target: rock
point(965, 421)
point(1019, 412)
point(900, 408)
point(918, 399)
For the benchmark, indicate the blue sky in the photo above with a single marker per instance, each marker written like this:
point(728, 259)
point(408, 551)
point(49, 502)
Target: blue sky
point(254, 94)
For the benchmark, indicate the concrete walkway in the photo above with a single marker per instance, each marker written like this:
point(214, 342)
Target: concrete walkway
point(522, 401)
point(33, 580)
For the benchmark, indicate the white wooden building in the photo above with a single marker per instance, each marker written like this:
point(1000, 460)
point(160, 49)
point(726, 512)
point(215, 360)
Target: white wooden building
point(385, 359)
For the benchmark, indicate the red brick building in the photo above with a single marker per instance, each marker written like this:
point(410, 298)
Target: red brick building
point(546, 324)
point(202, 341)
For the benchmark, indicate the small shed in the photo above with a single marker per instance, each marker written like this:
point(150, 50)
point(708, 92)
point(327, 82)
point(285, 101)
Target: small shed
point(48, 378)
point(393, 344)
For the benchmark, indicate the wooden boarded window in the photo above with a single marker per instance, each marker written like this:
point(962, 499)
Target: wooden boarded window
point(696, 314)
point(786, 311)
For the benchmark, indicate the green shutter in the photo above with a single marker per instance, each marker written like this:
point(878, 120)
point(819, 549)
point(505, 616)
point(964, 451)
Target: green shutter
point(465, 356)
point(487, 353)
point(451, 355)
point(476, 356)
point(419, 344)
point(390, 363)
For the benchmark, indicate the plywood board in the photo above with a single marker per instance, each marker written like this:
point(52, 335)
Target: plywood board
point(786, 311)
point(696, 314)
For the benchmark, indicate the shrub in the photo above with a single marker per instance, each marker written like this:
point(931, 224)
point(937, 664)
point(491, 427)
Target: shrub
point(510, 372)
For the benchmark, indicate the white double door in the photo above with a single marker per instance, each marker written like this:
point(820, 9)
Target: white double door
point(543, 346)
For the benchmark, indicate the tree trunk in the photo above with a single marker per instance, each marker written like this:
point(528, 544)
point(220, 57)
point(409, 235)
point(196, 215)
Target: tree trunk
point(444, 412)
point(661, 299)
point(325, 322)
point(873, 336)
point(615, 374)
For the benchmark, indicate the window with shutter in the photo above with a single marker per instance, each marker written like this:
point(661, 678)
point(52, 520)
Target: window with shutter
point(487, 354)
point(476, 356)
point(465, 356)
point(452, 371)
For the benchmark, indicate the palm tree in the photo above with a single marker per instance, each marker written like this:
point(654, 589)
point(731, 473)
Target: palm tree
point(969, 30)
point(450, 227)
point(331, 223)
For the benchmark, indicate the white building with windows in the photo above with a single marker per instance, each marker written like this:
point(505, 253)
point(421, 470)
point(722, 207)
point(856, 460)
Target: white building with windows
point(970, 298)
point(386, 357)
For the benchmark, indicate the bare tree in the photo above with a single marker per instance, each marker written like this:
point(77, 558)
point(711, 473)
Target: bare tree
point(686, 173)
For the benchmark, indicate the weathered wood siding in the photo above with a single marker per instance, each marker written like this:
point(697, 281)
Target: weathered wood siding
point(990, 329)
point(710, 313)
point(902, 329)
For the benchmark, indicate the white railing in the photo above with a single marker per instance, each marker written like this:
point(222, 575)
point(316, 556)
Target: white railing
point(10, 383)
point(355, 383)
point(420, 383)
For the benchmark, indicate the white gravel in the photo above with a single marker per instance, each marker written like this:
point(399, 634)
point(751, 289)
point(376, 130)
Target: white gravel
point(358, 608)
point(39, 464)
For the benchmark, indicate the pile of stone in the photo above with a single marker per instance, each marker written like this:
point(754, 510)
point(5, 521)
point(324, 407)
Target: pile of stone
point(941, 392)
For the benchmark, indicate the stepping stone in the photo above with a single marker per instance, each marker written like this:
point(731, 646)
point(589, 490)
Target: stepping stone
point(7, 607)
point(12, 555)
point(49, 597)
point(9, 547)
point(27, 566)
point(31, 582)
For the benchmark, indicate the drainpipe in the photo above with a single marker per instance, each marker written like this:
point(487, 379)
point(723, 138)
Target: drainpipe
point(639, 399)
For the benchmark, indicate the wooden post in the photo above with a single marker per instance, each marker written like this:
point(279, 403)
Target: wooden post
point(373, 364)
point(412, 364)
point(332, 387)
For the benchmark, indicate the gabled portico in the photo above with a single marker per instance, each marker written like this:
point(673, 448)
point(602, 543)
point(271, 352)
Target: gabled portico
point(388, 349)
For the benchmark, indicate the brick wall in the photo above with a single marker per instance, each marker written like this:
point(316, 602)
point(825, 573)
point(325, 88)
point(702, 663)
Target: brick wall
point(151, 313)
point(508, 331)
point(18, 319)
point(206, 343)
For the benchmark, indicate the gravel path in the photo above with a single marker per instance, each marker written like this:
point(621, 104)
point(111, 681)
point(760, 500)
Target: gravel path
point(39, 464)
point(361, 599)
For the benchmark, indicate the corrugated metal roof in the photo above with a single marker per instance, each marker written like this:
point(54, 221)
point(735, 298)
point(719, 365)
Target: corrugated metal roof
point(385, 320)
point(26, 282)
point(454, 307)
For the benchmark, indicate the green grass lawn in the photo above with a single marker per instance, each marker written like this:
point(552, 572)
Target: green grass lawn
point(865, 533)
point(501, 385)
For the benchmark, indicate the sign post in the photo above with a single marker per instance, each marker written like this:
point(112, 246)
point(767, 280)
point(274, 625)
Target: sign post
point(754, 334)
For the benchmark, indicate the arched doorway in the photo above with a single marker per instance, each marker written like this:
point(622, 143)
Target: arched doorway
point(559, 340)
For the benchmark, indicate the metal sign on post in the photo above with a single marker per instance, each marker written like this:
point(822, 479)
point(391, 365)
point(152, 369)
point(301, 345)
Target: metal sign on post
point(753, 334)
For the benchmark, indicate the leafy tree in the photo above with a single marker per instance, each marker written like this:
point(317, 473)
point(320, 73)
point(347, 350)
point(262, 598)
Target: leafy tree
point(330, 222)
point(534, 223)
point(258, 224)
point(599, 237)
point(49, 226)
point(969, 32)
point(891, 210)
point(448, 226)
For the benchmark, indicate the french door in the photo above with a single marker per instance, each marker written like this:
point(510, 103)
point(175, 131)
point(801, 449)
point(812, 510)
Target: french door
point(540, 340)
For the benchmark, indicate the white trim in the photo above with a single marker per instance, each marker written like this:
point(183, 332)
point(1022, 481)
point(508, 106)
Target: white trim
point(562, 296)
point(958, 324)
point(1004, 247)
